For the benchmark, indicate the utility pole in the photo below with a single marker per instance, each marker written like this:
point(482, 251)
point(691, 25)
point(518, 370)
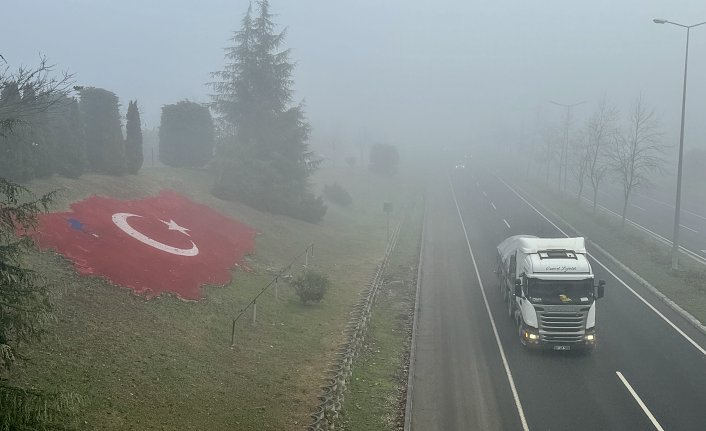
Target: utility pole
point(677, 206)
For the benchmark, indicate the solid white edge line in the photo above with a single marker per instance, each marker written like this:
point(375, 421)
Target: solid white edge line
point(507, 224)
point(639, 401)
point(688, 228)
point(415, 324)
point(676, 328)
point(640, 208)
point(520, 411)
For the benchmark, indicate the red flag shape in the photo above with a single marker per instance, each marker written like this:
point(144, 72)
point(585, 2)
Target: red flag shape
point(165, 243)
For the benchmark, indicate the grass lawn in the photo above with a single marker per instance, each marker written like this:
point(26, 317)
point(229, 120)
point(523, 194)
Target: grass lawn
point(165, 363)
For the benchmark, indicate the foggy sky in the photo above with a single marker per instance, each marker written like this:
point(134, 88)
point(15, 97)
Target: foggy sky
point(408, 72)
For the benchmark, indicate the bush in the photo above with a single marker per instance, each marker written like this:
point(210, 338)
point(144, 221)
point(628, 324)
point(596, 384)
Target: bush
point(310, 286)
point(338, 195)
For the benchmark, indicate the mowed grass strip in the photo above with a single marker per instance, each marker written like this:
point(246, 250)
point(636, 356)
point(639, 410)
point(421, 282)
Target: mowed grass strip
point(165, 363)
point(376, 395)
point(644, 255)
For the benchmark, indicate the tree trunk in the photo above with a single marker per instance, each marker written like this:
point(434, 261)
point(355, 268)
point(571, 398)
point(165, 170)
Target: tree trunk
point(595, 199)
point(625, 210)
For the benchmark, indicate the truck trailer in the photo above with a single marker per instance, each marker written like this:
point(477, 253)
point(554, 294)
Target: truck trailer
point(548, 287)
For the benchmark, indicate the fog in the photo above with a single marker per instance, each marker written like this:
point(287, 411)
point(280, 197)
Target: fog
point(413, 73)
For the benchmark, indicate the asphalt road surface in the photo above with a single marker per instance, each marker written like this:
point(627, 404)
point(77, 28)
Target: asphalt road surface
point(648, 371)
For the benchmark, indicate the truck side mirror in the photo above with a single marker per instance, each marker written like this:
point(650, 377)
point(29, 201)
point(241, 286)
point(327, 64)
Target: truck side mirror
point(600, 291)
point(518, 287)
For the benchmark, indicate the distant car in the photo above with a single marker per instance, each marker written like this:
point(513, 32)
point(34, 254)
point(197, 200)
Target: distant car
point(461, 166)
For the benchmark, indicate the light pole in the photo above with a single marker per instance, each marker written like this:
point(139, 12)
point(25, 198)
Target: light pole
point(677, 206)
point(565, 148)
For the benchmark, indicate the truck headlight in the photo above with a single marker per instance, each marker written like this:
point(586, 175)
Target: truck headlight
point(590, 336)
point(532, 336)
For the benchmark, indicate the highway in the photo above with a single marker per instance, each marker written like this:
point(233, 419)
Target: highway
point(471, 373)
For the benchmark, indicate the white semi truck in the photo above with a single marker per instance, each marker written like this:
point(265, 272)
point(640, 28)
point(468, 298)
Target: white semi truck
point(549, 289)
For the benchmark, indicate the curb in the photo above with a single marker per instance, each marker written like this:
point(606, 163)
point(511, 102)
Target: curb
point(413, 346)
point(671, 304)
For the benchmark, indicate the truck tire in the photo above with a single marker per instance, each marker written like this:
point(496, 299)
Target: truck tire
point(510, 308)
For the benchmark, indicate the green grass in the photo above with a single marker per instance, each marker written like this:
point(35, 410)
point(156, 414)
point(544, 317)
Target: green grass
point(165, 363)
point(377, 391)
point(647, 257)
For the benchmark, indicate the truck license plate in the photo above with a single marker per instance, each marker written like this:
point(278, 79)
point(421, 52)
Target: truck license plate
point(562, 347)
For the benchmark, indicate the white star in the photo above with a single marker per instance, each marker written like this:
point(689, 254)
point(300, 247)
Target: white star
point(174, 226)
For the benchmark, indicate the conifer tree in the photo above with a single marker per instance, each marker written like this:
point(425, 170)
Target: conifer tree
point(69, 141)
point(186, 135)
point(105, 147)
point(264, 158)
point(133, 139)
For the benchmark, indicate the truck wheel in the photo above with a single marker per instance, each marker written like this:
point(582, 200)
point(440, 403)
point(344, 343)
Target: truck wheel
point(510, 310)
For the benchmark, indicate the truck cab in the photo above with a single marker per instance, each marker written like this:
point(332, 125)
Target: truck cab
point(548, 285)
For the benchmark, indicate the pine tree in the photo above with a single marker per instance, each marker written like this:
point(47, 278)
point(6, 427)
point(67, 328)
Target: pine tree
point(25, 299)
point(105, 147)
point(133, 139)
point(263, 153)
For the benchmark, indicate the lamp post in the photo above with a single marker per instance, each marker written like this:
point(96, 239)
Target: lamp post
point(565, 148)
point(677, 206)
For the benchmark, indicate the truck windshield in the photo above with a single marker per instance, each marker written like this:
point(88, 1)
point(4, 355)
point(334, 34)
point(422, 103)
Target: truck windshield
point(560, 291)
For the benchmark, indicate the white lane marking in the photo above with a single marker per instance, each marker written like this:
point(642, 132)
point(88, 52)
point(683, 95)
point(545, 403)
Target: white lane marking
point(676, 328)
point(485, 194)
point(640, 208)
point(493, 206)
point(639, 401)
point(507, 224)
point(520, 411)
point(688, 228)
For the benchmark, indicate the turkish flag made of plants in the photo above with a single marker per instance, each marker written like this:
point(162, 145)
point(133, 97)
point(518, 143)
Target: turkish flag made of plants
point(165, 243)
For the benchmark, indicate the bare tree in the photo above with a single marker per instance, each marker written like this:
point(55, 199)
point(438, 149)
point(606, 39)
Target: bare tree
point(637, 152)
point(601, 129)
point(48, 90)
point(580, 162)
point(550, 151)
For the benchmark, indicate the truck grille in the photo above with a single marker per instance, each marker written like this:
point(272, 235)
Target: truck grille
point(562, 324)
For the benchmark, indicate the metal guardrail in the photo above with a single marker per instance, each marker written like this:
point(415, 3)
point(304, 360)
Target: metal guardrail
point(326, 414)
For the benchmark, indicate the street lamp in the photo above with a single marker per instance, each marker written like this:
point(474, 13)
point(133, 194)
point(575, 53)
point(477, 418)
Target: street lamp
point(565, 148)
point(677, 207)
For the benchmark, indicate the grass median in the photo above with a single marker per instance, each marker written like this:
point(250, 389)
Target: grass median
point(377, 392)
point(638, 251)
point(165, 363)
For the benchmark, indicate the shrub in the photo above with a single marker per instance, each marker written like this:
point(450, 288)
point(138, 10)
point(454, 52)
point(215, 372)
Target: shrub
point(310, 286)
point(338, 195)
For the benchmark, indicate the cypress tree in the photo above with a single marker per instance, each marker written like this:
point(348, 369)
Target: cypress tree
point(133, 139)
point(105, 147)
point(70, 144)
point(186, 136)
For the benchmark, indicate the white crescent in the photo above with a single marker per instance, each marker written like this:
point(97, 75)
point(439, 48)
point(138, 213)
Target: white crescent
point(120, 220)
